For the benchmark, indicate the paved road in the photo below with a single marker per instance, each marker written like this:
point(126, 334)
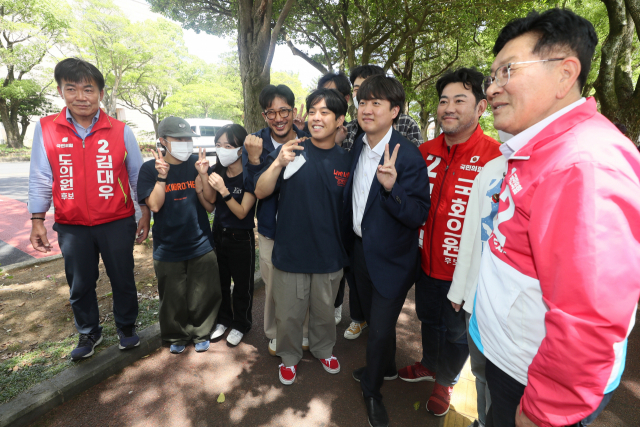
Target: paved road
point(181, 390)
point(14, 186)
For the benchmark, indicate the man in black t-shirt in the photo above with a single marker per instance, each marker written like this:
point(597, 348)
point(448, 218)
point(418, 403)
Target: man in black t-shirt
point(308, 254)
point(177, 190)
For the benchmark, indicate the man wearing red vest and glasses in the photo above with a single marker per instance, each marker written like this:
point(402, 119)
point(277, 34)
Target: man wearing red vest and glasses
point(86, 161)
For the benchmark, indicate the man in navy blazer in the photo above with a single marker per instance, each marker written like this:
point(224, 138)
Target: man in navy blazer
point(386, 202)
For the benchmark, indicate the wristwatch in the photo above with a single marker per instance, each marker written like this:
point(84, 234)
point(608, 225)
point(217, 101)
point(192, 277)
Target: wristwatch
point(161, 179)
point(227, 197)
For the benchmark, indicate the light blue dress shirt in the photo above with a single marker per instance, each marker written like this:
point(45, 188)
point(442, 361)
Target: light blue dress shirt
point(41, 175)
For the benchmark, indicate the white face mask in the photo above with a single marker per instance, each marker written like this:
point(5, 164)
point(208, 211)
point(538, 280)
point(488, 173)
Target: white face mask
point(181, 150)
point(227, 155)
point(355, 102)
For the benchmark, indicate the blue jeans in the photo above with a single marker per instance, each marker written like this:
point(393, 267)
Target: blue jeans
point(444, 332)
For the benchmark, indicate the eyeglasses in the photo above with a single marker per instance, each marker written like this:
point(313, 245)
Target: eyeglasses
point(284, 113)
point(503, 74)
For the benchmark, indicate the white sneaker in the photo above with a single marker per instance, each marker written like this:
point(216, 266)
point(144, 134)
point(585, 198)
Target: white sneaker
point(218, 331)
point(338, 314)
point(234, 337)
point(305, 344)
point(272, 347)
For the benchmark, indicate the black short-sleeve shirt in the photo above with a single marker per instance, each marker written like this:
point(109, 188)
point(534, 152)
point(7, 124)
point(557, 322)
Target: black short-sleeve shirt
point(224, 217)
point(181, 228)
point(308, 229)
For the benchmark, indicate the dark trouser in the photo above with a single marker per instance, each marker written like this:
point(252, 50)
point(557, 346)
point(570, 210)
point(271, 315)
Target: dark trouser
point(81, 247)
point(355, 309)
point(444, 332)
point(340, 296)
point(237, 261)
point(505, 398)
point(478, 368)
point(189, 298)
point(382, 315)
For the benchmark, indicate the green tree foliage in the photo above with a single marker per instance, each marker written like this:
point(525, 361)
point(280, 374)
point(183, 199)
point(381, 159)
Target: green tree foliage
point(29, 28)
point(120, 49)
point(616, 85)
point(255, 23)
point(212, 91)
point(161, 76)
point(292, 80)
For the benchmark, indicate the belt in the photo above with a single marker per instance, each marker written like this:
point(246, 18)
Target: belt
point(228, 230)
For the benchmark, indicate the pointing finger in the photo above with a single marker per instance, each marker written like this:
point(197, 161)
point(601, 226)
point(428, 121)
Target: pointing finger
point(386, 154)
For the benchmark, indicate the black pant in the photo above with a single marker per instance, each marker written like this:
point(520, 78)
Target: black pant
point(444, 331)
point(505, 398)
point(237, 261)
point(81, 248)
point(382, 315)
point(355, 308)
point(340, 296)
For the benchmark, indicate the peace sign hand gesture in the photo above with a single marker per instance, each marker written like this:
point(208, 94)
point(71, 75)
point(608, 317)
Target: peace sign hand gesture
point(161, 166)
point(202, 165)
point(387, 173)
point(299, 119)
point(288, 152)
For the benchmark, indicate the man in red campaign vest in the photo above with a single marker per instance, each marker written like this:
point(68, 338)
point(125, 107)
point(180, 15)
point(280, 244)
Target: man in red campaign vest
point(453, 159)
point(88, 163)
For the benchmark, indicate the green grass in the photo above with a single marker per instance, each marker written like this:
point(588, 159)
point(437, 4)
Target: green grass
point(46, 359)
point(5, 149)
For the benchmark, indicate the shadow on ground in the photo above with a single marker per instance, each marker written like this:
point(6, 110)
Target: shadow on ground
point(182, 390)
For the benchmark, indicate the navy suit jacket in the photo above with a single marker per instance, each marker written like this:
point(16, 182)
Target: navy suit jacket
point(391, 223)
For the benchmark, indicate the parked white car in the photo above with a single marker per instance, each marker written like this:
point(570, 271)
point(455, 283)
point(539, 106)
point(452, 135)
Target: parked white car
point(207, 129)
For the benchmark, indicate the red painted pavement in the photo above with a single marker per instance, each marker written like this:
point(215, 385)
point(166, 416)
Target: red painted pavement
point(15, 228)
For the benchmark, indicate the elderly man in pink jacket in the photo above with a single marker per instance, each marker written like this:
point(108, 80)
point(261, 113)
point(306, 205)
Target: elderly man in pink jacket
point(558, 287)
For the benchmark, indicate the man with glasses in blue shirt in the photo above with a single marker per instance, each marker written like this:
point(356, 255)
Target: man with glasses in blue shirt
point(278, 111)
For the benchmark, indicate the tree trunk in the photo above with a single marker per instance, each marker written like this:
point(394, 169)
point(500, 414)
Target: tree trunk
point(424, 122)
point(9, 116)
point(619, 100)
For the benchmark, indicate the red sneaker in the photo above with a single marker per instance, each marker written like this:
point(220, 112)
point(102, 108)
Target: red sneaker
point(416, 373)
point(287, 374)
point(440, 399)
point(331, 365)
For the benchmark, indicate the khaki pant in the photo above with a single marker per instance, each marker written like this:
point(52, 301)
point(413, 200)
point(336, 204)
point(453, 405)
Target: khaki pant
point(266, 271)
point(295, 295)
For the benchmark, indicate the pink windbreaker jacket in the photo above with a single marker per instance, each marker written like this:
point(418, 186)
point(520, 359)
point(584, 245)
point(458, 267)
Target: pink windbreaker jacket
point(559, 288)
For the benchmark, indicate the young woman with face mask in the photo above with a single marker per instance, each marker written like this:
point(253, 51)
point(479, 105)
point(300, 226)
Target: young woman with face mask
point(233, 234)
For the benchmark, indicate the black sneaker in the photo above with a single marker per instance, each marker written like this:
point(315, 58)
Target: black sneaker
point(128, 338)
point(86, 344)
point(357, 374)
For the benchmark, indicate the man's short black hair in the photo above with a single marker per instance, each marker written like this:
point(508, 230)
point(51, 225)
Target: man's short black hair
point(556, 28)
point(365, 71)
point(76, 70)
point(339, 79)
point(470, 79)
point(333, 99)
point(270, 92)
point(383, 87)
